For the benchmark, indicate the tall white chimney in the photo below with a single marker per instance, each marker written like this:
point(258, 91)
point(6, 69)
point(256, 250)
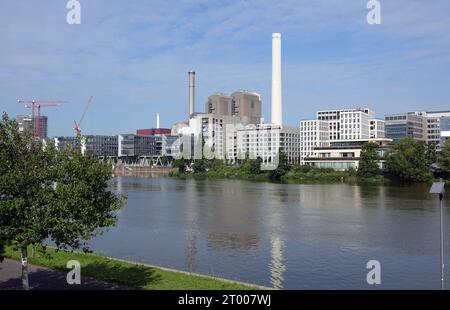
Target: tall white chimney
point(191, 92)
point(157, 120)
point(277, 116)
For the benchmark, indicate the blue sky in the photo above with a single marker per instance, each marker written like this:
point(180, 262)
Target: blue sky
point(133, 57)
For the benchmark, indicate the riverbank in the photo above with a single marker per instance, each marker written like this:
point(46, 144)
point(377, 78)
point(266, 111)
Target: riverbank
point(141, 171)
point(295, 174)
point(134, 275)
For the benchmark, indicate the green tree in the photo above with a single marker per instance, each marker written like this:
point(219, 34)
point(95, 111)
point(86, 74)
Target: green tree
point(200, 166)
point(409, 159)
point(368, 164)
point(255, 166)
point(46, 194)
point(444, 157)
point(282, 168)
point(181, 164)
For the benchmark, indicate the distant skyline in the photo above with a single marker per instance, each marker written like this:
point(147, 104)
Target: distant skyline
point(134, 58)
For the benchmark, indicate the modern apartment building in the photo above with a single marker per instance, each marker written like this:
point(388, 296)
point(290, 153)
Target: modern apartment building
point(211, 129)
point(264, 141)
point(347, 123)
point(313, 134)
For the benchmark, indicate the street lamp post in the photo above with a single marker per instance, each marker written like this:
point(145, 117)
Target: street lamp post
point(439, 188)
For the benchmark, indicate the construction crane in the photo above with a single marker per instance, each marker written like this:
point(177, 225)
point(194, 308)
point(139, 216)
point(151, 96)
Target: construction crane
point(38, 104)
point(77, 126)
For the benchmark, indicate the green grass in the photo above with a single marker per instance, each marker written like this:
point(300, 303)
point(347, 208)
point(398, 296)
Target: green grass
point(128, 274)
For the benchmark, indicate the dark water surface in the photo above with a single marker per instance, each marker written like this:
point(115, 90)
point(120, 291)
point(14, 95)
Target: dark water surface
point(282, 235)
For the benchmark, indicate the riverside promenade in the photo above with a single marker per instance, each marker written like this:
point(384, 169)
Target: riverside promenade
point(42, 278)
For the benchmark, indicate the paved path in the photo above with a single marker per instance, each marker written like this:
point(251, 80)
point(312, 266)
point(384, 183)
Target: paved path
point(42, 278)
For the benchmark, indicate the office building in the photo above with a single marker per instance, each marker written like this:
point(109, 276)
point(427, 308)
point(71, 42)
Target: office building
point(98, 145)
point(433, 127)
point(132, 145)
point(344, 155)
point(411, 124)
point(444, 134)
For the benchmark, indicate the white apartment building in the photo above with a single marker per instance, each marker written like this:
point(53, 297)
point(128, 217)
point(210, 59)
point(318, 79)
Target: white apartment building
point(264, 141)
point(354, 125)
point(355, 121)
point(377, 129)
point(313, 134)
point(335, 139)
point(212, 129)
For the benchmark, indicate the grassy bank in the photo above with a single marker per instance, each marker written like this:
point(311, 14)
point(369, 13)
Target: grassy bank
point(128, 274)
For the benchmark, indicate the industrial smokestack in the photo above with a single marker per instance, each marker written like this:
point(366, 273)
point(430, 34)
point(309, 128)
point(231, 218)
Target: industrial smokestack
point(277, 116)
point(191, 92)
point(157, 120)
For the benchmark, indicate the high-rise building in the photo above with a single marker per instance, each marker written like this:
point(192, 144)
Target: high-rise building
point(27, 122)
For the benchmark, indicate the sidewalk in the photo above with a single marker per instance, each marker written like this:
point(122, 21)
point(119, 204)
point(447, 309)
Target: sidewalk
point(42, 278)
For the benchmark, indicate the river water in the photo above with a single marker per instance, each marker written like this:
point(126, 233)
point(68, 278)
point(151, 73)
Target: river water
point(286, 236)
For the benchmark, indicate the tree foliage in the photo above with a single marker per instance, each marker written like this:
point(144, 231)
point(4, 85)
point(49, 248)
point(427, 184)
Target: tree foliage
point(368, 164)
point(410, 160)
point(444, 157)
point(282, 168)
point(47, 194)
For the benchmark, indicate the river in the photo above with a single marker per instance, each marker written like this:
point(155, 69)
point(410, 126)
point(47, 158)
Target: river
point(287, 236)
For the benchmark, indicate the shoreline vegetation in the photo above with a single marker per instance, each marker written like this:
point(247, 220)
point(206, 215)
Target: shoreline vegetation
point(129, 274)
point(406, 161)
point(296, 175)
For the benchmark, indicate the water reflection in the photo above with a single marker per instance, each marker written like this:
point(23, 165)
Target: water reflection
point(281, 235)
